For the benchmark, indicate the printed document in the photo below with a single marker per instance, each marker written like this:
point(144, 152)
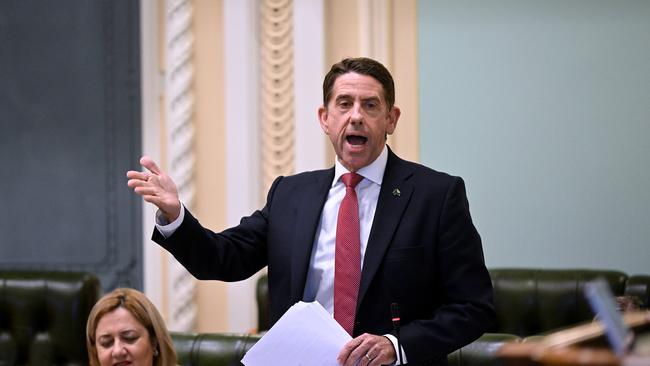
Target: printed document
point(305, 335)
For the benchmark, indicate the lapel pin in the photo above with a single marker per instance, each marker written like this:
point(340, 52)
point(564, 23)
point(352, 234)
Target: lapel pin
point(396, 192)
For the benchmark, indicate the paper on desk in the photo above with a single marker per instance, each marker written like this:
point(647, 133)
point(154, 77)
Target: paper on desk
point(305, 335)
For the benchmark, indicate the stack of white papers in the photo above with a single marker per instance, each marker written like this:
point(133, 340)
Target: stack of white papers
point(305, 335)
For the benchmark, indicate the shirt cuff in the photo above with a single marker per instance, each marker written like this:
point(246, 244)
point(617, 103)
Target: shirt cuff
point(168, 228)
point(393, 340)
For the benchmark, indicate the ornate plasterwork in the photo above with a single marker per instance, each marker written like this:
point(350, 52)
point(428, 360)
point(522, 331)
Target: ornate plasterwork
point(179, 42)
point(276, 71)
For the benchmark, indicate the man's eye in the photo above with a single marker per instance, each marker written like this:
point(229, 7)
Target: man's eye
point(372, 105)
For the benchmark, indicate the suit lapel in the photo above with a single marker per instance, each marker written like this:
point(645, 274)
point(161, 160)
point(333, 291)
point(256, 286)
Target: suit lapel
point(309, 204)
point(394, 196)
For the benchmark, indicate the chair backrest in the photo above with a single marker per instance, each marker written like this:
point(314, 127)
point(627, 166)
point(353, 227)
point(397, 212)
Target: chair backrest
point(215, 349)
point(43, 317)
point(262, 296)
point(532, 301)
point(482, 352)
point(639, 287)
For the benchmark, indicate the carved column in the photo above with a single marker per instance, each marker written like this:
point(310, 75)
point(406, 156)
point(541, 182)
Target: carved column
point(276, 71)
point(179, 103)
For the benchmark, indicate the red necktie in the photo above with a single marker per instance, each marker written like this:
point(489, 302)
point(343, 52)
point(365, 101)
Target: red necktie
point(347, 265)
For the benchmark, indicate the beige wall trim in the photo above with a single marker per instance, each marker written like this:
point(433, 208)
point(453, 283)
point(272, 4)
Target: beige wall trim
point(210, 150)
point(309, 70)
point(179, 103)
point(404, 66)
point(375, 30)
point(243, 151)
point(151, 93)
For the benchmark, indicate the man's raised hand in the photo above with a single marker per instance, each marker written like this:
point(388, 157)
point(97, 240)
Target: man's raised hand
point(156, 187)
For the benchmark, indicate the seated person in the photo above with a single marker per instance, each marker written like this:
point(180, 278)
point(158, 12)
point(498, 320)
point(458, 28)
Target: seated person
point(125, 327)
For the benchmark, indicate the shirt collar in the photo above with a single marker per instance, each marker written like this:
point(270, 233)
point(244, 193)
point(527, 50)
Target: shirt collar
point(373, 172)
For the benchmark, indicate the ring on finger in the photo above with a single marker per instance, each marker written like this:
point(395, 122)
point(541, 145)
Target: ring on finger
point(368, 357)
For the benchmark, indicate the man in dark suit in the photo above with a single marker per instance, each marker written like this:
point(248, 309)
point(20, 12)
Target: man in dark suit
point(416, 245)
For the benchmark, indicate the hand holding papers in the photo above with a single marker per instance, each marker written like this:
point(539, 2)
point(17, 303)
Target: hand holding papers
point(305, 335)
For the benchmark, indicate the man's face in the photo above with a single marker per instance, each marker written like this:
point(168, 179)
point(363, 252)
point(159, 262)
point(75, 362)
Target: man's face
point(357, 119)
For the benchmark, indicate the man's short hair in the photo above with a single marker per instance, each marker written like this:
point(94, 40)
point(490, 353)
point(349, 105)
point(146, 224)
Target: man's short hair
point(363, 66)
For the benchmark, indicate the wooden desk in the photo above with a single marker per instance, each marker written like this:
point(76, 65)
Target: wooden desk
point(583, 345)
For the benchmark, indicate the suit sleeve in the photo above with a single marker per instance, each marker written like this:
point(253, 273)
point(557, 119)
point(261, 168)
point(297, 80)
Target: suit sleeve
point(463, 287)
point(231, 255)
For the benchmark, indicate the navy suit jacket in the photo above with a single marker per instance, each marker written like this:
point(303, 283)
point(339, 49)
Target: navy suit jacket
point(423, 253)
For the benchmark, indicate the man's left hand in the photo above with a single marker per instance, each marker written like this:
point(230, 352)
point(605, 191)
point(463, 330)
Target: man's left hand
point(368, 349)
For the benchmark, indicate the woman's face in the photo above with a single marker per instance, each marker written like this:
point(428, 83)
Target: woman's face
point(122, 341)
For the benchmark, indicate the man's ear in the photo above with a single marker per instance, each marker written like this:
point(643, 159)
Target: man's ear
point(322, 119)
point(393, 117)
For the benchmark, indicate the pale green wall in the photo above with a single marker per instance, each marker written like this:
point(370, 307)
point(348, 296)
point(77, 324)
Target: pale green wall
point(543, 107)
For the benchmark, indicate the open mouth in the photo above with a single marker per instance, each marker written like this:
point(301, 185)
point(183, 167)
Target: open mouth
point(356, 140)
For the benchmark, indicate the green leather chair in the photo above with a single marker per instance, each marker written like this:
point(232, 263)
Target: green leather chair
point(213, 349)
point(43, 317)
point(530, 301)
point(481, 352)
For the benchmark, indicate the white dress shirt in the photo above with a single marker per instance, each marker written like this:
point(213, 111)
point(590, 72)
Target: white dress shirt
point(320, 277)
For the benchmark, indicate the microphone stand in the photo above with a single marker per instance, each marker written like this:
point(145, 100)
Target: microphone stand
point(394, 311)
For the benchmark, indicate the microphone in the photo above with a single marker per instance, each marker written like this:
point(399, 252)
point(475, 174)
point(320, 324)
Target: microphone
point(394, 312)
